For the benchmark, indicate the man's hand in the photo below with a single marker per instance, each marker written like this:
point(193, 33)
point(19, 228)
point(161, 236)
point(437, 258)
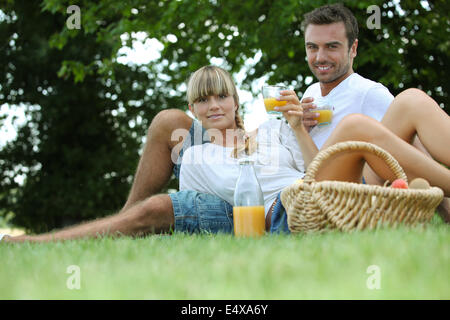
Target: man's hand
point(309, 116)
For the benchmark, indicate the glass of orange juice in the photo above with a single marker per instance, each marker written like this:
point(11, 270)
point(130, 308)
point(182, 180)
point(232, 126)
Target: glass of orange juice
point(325, 111)
point(270, 95)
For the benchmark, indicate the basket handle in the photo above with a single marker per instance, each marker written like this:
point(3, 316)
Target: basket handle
point(353, 145)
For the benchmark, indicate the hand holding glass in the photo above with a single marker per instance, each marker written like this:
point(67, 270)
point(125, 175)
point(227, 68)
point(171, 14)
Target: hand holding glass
point(325, 111)
point(270, 95)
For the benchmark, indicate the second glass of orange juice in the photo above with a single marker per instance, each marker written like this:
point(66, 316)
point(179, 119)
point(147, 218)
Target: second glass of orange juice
point(325, 111)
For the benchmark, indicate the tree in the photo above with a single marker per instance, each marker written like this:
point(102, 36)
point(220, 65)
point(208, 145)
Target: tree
point(409, 49)
point(80, 145)
point(87, 114)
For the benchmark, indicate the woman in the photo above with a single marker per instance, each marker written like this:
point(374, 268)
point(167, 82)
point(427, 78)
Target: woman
point(213, 99)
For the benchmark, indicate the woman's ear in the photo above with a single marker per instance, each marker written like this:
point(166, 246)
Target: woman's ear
point(191, 109)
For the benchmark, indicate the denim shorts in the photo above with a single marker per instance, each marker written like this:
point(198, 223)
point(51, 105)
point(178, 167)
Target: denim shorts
point(197, 212)
point(278, 222)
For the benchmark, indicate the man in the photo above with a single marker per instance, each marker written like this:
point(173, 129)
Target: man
point(331, 45)
point(331, 42)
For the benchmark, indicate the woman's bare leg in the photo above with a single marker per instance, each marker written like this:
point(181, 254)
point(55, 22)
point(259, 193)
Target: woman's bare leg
point(153, 215)
point(349, 166)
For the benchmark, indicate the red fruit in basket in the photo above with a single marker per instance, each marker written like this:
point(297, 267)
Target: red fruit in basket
point(399, 184)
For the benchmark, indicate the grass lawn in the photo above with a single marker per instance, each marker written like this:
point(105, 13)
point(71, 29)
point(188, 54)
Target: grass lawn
point(412, 263)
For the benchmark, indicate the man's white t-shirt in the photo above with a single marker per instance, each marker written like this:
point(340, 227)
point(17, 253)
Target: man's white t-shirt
point(353, 95)
point(210, 168)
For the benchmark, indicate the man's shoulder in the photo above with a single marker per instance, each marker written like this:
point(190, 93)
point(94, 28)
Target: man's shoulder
point(358, 81)
point(363, 89)
point(355, 81)
point(355, 85)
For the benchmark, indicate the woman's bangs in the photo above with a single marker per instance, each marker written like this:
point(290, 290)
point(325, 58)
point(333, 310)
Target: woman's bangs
point(210, 83)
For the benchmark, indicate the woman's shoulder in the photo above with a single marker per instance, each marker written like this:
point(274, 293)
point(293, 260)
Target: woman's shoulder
point(200, 148)
point(204, 150)
point(272, 124)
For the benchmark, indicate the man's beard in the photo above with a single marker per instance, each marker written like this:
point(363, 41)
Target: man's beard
point(335, 76)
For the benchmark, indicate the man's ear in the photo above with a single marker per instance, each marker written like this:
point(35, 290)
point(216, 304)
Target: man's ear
point(354, 49)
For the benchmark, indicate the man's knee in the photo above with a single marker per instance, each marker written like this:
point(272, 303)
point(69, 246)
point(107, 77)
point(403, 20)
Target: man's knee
point(159, 202)
point(169, 126)
point(413, 97)
point(412, 93)
point(353, 123)
point(357, 127)
point(156, 213)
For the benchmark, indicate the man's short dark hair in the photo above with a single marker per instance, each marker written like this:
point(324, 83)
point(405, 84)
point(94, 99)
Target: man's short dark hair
point(331, 14)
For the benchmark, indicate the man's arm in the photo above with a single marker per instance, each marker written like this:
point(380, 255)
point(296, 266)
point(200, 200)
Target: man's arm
point(155, 165)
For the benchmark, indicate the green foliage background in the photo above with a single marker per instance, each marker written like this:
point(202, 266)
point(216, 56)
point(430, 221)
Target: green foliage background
point(87, 114)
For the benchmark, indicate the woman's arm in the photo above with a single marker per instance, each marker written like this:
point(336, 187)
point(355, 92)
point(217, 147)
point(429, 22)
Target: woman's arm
point(306, 143)
point(293, 112)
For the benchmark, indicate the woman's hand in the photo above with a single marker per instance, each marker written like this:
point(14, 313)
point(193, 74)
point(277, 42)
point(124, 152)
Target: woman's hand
point(292, 111)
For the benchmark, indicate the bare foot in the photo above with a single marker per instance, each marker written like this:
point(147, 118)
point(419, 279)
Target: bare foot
point(5, 238)
point(444, 210)
point(16, 239)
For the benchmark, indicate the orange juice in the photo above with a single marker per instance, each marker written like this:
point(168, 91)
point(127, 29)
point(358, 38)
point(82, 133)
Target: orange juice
point(249, 221)
point(324, 117)
point(271, 103)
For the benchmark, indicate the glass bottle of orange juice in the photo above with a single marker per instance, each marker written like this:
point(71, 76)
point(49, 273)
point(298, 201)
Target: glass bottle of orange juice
point(248, 210)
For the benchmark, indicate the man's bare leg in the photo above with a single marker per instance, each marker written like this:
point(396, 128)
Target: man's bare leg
point(151, 216)
point(140, 214)
point(155, 166)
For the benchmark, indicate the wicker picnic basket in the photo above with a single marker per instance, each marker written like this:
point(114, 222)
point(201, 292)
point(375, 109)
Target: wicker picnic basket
point(320, 205)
